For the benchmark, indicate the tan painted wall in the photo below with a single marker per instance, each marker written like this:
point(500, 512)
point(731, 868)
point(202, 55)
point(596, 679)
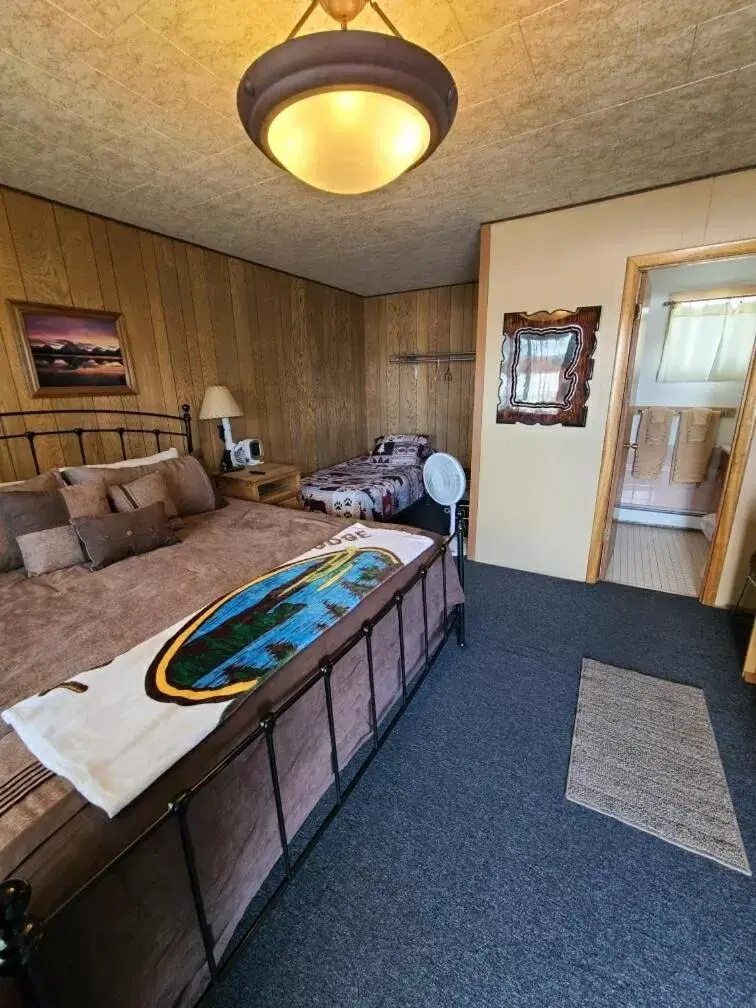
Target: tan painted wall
point(537, 485)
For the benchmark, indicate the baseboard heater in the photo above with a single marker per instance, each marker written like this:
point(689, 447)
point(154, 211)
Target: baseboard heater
point(642, 515)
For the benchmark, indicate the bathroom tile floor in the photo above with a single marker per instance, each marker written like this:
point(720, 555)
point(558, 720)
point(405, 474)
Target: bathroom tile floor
point(663, 559)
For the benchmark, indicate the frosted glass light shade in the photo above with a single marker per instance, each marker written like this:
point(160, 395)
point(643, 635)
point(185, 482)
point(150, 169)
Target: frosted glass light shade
point(347, 111)
point(348, 141)
point(217, 403)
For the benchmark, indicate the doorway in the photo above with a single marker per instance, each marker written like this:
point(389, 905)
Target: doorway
point(681, 417)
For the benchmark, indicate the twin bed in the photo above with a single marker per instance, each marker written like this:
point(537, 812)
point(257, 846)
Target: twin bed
point(377, 486)
point(144, 908)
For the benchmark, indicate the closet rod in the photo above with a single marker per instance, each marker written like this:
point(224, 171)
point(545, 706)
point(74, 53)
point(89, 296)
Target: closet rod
point(724, 411)
point(431, 358)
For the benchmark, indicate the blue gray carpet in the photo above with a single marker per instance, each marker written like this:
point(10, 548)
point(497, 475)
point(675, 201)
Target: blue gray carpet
point(458, 875)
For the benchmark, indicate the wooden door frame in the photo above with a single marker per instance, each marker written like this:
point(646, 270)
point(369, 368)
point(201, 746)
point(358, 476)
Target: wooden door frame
point(636, 265)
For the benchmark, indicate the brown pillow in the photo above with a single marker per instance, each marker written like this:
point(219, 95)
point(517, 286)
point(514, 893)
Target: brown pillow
point(87, 500)
point(47, 481)
point(189, 486)
point(106, 540)
point(143, 491)
point(50, 550)
point(21, 512)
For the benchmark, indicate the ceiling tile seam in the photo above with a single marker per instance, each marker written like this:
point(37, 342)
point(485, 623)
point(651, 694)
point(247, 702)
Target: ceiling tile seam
point(73, 17)
point(507, 24)
point(726, 14)
point(479, 38)
point(528, 17)
point(178, 48)
point(74, 156)
point(593, 112)
point(89, 120)
point(527, 51)
point(456, 20)
point(101, 73)
point(689, 61)
point(210, 108)
point(232, 192)
point(38, 69)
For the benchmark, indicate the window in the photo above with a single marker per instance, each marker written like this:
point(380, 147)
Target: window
point(709, 340)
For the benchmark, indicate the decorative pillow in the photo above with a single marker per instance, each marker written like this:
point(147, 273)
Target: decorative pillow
point(106, 540)
point(50, 550)
point(189, 486)
point(47, 481)
point(404, 447)
point(87, 500)
point(143, 491)
point(169, 453)
point(23, 511)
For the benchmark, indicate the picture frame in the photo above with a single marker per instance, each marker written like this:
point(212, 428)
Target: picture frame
point(68, 351)
point(546, 366)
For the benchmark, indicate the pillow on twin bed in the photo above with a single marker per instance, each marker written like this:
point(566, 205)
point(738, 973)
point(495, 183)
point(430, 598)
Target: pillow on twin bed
point(141, 492)
point(29, 506)
point(118, 536)
point(189, 486)
point(408, 448)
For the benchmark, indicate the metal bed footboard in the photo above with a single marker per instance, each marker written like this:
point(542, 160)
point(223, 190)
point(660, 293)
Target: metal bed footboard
point(21, 935)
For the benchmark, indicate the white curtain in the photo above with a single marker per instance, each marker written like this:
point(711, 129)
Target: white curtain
point(709, 340)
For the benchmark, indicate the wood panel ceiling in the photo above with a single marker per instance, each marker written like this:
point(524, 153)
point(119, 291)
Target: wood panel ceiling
point(127, 108)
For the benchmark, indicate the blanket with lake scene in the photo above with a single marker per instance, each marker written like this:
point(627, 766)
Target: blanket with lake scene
point(113, 730)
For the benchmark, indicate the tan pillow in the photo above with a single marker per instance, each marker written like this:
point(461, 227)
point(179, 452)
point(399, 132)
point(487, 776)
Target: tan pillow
point(143, 491)
point(8, 552)
point(106, 540)
point(87, 500)
point(189, 486)
point(27, 511)
point(50, 550)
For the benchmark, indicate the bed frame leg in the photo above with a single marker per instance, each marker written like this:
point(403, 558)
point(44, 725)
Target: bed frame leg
point(20, 935)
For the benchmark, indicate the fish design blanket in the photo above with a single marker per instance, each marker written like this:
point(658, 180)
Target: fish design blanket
point(112, 731)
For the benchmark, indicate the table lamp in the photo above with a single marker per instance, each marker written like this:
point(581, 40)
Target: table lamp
point(219, 404)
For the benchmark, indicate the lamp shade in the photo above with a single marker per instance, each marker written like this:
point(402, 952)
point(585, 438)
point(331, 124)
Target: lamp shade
point(217, 403)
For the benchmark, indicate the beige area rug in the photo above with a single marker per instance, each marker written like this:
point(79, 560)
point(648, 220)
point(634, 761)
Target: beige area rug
point(643, 752)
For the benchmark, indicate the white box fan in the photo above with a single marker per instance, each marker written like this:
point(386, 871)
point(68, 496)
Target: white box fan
point(445, 481)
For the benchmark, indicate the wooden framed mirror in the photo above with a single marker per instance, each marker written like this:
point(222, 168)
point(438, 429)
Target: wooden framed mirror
point(546, 365)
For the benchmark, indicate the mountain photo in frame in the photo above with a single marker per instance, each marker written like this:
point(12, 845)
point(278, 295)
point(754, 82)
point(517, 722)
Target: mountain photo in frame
point(546, 365)
point(72, 351)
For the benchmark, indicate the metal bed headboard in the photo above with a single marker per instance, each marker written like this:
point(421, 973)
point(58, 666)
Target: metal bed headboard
point(184, 419)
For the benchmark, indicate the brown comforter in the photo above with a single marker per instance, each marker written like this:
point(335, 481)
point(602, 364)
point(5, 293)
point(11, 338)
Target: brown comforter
point(132, 939)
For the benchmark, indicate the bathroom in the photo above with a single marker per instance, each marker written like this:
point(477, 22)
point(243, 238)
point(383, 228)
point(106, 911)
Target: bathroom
point(694, 345)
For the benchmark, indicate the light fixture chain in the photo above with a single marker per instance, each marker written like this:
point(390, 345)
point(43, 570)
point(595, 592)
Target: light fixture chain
point(298, 26)
point(386, 20)
point(343, 21)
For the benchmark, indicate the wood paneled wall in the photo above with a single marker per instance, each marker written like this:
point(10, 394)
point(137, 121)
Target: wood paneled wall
point(290, 350)
point(402, 398)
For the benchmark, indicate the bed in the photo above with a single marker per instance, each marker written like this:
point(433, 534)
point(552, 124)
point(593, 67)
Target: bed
point(375, 486)
point(144, 909)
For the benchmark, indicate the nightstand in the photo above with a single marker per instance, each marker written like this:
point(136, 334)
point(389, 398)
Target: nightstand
point(268, 483)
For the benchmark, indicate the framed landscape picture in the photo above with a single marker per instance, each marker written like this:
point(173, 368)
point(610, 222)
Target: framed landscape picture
point(72, 351)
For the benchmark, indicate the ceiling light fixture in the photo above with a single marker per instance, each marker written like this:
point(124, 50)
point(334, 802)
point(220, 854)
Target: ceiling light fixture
point(347, 111)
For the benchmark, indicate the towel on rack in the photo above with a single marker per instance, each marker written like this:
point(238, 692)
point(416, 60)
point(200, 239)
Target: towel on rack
point(696, 436)
point(652, 440)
